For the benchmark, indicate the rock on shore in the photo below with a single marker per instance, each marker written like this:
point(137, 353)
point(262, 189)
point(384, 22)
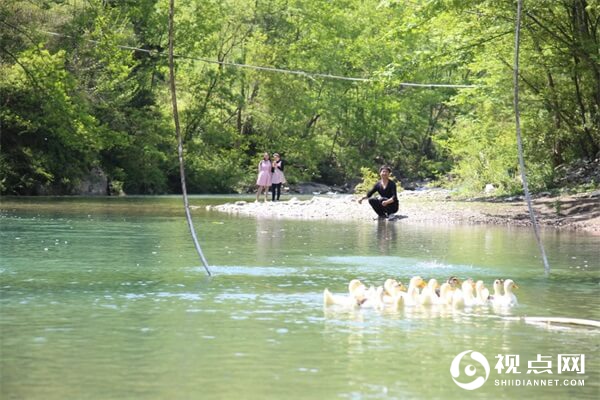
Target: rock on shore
point(344, 207)
point(580, 212)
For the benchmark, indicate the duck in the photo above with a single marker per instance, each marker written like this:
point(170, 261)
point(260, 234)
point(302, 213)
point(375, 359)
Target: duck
point(498, 287)
point(330, 299)
point(464, 296)
point(412, 294)
point(374, 298)
point(368, 293)
point(429, 293)
point(508, 298)
point(454, 281)
point(482, 294)
point(398, 300)
point(394, 293)
point(357, 295)
point(447, 289)
point(496, 299)
point(468, 287)
point(445, 294)
point(392, 289)
point(356, 288)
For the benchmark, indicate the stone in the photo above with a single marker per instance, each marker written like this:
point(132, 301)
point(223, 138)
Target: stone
point(94, 184)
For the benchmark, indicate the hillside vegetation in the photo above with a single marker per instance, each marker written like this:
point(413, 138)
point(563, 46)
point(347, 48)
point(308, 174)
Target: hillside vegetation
point(76, 96)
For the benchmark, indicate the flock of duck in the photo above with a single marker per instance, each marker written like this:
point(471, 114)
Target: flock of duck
point(452, 293)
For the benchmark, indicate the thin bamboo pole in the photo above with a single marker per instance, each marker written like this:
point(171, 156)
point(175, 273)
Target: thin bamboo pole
point(179, 139)
point(520, 141)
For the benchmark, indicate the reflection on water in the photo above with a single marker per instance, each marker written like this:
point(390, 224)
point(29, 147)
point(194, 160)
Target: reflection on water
point(105, 298)
point(269, 235)
point(386, 236)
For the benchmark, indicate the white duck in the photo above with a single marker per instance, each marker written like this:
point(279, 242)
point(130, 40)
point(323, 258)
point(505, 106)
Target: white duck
point(395, 293)
point(497, 299)
point(356, 288)
point(428, 295)
point(392, 290)
point(374, 298)
point(482, 294)
point(448, 289)
point(330, 299)
point(464, 296)
point(468, 287)
point(508, 298)
point(445, 294)
point(356, 296)
point(412, 294)
point(498, 286)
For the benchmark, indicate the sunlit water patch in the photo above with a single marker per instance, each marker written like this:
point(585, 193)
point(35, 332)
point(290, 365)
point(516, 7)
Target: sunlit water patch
point(245, 270)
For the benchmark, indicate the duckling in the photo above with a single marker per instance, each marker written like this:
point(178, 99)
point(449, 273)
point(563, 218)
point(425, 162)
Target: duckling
point(509, 298)
point(412, 294)
point(464, 296)
point(467, 287)
point(374, 299)
point(445, 295)
point(498, 286)
point(454, 282)
point(330, 299)
point(370, 292)
point(428, 294)
point(356, 295)
point(482, 294)
point(356, 287)
point(496, 298)
point(398, 300)
point(392, 289)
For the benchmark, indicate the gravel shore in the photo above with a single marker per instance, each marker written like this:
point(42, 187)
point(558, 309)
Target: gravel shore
point(576, 212)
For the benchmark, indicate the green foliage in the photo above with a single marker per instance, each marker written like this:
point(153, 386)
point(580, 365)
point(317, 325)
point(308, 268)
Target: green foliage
point(218, 172)
point(49, 140)
point(79, 101)
point(555, 77)
point(369, 178)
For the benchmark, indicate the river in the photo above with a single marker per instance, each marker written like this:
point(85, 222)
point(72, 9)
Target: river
point(106, 298)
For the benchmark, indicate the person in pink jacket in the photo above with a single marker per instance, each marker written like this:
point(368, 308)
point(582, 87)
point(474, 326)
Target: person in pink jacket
point(264, 176)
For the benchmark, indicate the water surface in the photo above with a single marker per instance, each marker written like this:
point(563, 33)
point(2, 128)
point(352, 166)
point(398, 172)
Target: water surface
point(106, 298)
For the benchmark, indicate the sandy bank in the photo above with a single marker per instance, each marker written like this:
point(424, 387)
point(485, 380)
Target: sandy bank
point(579, 212)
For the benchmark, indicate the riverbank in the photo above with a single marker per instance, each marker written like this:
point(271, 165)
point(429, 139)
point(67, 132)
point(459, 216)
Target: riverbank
point(574, 212)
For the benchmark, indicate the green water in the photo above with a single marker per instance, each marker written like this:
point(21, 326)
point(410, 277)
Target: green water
point(107, 299)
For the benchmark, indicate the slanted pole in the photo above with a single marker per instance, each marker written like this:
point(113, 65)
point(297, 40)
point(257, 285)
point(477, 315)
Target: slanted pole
point(179, 139)
point(520, 142)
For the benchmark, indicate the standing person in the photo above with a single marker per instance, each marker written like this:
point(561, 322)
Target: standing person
point(387, 203)
point(264, 176)
point(278, 177)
